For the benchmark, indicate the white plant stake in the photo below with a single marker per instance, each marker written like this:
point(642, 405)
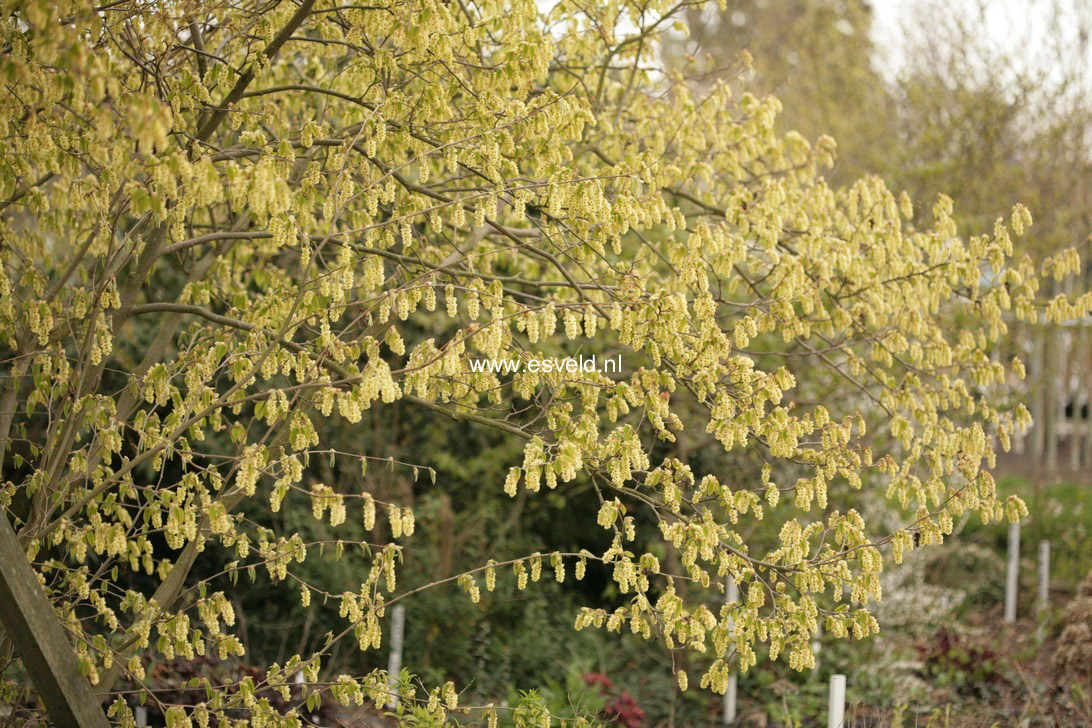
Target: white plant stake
point(836, 707)
point(1044, 588)
point(1012, 578)
point(731, 594)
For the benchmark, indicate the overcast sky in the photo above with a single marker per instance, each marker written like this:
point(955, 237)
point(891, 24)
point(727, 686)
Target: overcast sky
point(1012, 26)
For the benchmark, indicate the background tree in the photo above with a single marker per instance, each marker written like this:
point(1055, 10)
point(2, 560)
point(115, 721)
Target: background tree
point(816, 56)
point(993, 123)
point(988, 121)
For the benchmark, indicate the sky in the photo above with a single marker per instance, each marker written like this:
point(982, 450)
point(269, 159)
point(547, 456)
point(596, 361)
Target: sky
point(1016, 27)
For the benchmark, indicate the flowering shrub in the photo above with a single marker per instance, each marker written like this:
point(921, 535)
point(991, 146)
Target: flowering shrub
point(231, 228)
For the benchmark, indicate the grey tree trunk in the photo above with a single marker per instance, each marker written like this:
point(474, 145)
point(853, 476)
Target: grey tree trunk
point(1038, 395)
point(41, 642)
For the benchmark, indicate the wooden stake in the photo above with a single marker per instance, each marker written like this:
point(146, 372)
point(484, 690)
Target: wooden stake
point(41, 642)
point(1039, 386)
